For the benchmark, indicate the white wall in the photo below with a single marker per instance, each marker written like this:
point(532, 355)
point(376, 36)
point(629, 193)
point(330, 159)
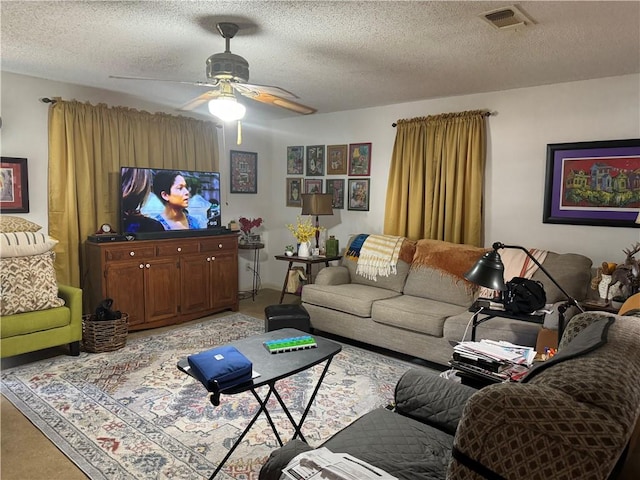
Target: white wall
point(526, 121)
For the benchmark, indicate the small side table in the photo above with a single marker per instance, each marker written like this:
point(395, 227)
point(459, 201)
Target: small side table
point(308, 261)
point(256, 247)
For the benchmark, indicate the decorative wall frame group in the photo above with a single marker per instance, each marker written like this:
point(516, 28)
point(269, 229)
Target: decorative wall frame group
point(14, 185)
point(244, 172)
point(593, 183)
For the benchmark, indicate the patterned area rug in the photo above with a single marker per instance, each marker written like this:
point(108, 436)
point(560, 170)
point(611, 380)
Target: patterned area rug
point(132, 414)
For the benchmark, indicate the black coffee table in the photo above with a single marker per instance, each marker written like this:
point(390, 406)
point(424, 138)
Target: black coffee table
point(274, 367)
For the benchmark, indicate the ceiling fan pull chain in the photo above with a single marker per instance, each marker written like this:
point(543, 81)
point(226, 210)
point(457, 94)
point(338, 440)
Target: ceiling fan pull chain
point(239, 142)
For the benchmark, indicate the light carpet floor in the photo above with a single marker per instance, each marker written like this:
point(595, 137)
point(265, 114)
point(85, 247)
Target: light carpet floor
point(132, 414)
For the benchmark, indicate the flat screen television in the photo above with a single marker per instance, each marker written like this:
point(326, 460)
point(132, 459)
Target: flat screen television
point(161, 203)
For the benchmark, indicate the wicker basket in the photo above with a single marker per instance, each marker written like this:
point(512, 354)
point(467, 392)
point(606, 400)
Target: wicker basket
point(104, 335)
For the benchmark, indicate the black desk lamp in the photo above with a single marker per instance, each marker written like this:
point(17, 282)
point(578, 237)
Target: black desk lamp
point(317, 204)
point(489, 272)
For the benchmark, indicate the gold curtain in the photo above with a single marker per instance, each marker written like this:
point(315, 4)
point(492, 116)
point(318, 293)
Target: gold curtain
point(436, 178)
point(87, 146)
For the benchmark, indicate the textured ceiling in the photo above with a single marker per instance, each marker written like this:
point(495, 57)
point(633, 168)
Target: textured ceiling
point(334, 55)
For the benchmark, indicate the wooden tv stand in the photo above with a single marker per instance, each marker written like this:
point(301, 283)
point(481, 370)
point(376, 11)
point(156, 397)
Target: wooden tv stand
point(164, 282)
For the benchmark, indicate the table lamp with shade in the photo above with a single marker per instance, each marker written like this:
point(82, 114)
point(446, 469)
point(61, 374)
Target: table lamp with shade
point(317, 204)
point(488, 272)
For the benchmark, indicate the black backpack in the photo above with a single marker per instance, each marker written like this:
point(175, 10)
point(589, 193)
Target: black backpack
point(523, 296)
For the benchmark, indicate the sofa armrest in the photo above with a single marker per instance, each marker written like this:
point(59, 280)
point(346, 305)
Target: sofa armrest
point(432, 399)
point(72, 297)
point(525, 431)
point(333, 275)
point(280, 458)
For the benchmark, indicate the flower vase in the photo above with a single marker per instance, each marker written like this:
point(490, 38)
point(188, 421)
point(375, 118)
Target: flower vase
point(304, 250)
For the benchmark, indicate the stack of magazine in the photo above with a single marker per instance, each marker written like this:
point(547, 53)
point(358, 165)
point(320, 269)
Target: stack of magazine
point(497, 360)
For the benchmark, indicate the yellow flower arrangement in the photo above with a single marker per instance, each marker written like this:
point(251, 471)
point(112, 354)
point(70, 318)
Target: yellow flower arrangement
point(303, 231)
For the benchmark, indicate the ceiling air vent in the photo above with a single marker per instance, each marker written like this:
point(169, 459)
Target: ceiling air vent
point(506, 17)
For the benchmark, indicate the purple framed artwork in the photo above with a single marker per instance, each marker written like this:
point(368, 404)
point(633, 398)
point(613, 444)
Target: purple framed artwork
point(359, 159)
point(244, 172)
point(312, 186)
point(593, 183)
point(14, 185)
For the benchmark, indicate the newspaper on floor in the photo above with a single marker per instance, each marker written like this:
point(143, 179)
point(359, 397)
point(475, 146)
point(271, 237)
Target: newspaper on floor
point(322, 463)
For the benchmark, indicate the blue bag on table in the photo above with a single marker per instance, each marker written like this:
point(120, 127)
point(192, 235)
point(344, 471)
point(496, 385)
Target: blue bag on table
point(220, 368)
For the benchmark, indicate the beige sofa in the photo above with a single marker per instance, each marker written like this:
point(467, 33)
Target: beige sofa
point(424, 307)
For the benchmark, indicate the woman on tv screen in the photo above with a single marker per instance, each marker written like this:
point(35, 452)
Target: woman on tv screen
point(171, 188)
point(136, 186)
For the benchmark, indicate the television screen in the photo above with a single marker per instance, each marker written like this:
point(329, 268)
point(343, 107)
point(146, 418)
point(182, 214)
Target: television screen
point(156, 200)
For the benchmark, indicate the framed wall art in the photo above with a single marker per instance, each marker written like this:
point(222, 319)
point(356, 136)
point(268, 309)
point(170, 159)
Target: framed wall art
point(315, 160)
point(593, 183)
point(360, 159)
point(358, 191)
point(14, 185)
point(336, 188)
point(312, 186)
point(244, 172)
point(294, 190)
point(295, 160)
point(337, 159)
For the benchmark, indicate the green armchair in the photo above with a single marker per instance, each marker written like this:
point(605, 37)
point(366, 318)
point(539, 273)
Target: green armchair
point(31, 331)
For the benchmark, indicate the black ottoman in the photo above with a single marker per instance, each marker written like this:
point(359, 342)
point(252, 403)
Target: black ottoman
point(286, 316)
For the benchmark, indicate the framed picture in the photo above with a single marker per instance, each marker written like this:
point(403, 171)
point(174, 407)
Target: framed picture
point(337, 160)
point(312, 186)
point(294, 190)
point(360, 159)
point(358, 194)
point(336, 188)
point(593, 183)
point(244, 172)
point(295, 160)
point(14, 185)
point(315, 161)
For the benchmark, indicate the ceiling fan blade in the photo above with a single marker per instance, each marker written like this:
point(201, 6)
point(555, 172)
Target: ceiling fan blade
point(196, 102)
point(265, 97)
point(213, 83)
point(270, 89)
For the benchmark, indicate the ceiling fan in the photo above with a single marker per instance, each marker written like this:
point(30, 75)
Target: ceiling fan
point(228, 73)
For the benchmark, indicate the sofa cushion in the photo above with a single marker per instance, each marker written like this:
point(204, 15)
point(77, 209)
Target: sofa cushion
point(37, 321)
point(414, 313)
point(392, 282)
point(9, 223)
point(355, 299)
point(28, 284)
point(398, 444)
point(571, 270)
point(21, 244)
point(437, 272)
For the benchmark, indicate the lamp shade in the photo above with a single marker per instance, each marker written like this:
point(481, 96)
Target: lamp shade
point(488, 272)
point(317, 204)
point(227, 109)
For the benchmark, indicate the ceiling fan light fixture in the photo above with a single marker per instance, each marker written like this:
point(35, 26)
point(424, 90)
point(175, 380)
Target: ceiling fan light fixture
point(227, 109)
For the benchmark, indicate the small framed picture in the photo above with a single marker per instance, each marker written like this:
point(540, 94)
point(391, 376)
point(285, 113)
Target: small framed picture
point(337, 160)
point(14, 185)
point(244, 172)
point(360, 159)
point(312, 186)
point(358, 194)
point(295, 160)
point(294, 192)
point(336, 188)
point(315, 161)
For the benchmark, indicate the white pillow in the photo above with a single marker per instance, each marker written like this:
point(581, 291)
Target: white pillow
point(22, 244)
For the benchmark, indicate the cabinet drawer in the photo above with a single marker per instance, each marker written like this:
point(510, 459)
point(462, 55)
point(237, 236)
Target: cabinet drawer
point(114, 254)
point(219, 244)
point(176, 248)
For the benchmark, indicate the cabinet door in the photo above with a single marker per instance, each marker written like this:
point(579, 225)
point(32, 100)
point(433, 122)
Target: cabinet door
point(125, 285)
point(195, 283)
point(224, 281)
point(162, 289)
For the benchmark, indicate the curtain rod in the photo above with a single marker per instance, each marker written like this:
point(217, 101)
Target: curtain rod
point(484, 114)
point(48, 100)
